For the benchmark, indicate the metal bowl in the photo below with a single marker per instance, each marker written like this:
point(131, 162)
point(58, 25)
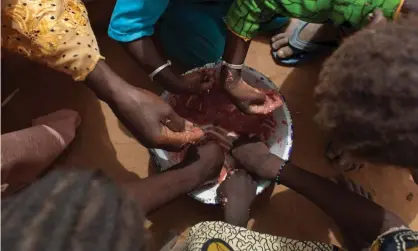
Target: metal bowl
point(280, 142)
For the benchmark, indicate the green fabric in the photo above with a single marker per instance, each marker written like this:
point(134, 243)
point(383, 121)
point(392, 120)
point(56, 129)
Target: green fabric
point(194, 33)
point(245, 16)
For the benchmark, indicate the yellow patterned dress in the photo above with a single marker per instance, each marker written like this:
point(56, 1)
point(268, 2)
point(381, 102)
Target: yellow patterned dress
point(56, 33)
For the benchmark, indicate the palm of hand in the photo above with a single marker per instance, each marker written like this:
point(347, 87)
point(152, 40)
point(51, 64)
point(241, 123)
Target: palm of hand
point(249, 99)
point(157, 123)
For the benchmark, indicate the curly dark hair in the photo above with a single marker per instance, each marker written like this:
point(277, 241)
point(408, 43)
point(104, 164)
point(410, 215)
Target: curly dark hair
point(368, 94)
point(71, 210)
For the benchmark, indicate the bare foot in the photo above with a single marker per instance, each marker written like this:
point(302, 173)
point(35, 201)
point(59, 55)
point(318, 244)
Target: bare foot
point(237, 192)
point(325, 33)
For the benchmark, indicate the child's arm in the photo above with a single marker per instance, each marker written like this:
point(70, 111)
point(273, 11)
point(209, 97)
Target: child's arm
point(349, 210)
point(145, 52)
point(133, 25)
point(198, 167)
point(245, 17)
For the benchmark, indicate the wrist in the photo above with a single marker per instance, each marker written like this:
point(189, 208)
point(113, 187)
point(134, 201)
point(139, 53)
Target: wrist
point(229, 77)
point(104, 82)
point(169, 80)
point(288, 174)
point(272, 166)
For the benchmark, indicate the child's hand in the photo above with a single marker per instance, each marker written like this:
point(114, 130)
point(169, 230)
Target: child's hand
point(156, 123)
point(255, 157)
point(199, 81)
point(247, 98)
point(207, 161)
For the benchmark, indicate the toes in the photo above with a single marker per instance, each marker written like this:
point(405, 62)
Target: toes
point(414, 175)
point(280, 43)
point(285, 52)
point(361, 190)
point(278, 37)
point(351, 185)
point(353, 167)
point(332, 152)
point(369, 196)
point(346, 165)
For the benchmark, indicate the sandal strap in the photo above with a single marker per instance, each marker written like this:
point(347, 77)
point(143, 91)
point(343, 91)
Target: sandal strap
point(307, 46)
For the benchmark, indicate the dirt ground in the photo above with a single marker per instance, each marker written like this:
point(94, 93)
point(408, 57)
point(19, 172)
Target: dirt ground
point(101, 142)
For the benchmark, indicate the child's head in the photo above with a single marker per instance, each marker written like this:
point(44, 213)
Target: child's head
point(368, 94)
point(71, 210)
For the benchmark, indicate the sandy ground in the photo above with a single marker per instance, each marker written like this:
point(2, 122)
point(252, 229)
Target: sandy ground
point(101, 142)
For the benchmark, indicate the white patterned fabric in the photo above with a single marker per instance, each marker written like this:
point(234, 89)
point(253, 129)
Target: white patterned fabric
point(221, 236)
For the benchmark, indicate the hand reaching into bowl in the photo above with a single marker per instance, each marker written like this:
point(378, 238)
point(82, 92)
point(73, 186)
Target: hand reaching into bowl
point(199, 81)
point(248, 99)
point(152, 120)
point(255, 157)
point(204, 162)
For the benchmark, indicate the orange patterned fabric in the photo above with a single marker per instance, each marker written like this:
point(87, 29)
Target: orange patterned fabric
point(54, 32)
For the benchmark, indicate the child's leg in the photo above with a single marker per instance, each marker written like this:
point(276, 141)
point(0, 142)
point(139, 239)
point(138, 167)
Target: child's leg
point(25, 154)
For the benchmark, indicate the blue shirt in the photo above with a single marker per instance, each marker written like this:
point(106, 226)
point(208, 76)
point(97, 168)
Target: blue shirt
point(134, 19)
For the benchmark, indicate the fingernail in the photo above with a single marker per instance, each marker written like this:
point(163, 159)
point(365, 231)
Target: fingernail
point(280, 53)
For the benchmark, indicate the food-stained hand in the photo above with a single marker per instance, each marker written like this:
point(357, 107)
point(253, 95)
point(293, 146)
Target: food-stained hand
point(156, 122)
point(199, 81)
point(209, 159)
point(248, 99)
point(255, 157)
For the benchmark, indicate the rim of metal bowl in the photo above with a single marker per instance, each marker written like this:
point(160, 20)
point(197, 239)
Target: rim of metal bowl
point(266, 183)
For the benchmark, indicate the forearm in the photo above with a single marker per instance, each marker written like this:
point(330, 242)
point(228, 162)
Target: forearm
point(236, 216)
point(349, 210)
point(235, 52)
point(112, 89)
point(104, 82)
point(155, 191)
point(27, 153)
point(149, 58)
point(236, 49)
point(19, 148)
